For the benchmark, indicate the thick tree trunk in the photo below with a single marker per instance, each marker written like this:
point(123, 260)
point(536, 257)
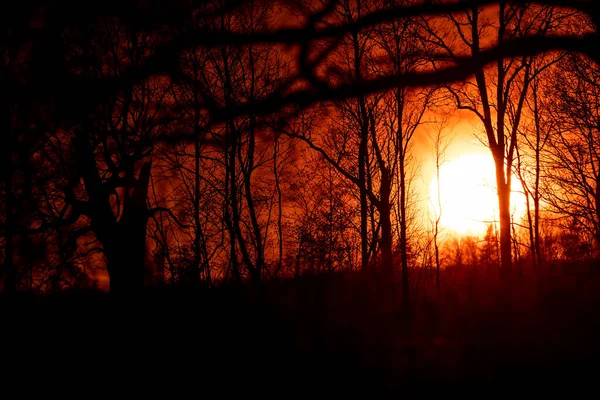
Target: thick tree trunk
point(504, 208)
point(125, 253)
point(124, 242)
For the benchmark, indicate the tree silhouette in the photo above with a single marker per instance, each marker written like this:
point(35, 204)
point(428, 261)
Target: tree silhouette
point(573, 145)
point(92, 97)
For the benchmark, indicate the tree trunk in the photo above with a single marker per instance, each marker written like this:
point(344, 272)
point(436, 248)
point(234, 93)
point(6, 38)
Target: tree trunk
point(123, 241)
point(438, 218)
point(536, 191)
point(504, 208)
point(125, 245)
point(125, 254)
point(362, 155)
point(437, 265)
point(385, 211)
point(235, 208)
point(256, 228)
point(256, 271)
point(403, 236)
point(229, 193)
point(536, 215)
point(195, 270)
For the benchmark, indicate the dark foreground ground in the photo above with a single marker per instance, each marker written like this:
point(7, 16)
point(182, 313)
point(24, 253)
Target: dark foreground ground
point(327, 335)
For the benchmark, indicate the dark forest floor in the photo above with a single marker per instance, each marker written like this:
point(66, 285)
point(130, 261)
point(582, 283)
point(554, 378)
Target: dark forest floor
point(326, 334)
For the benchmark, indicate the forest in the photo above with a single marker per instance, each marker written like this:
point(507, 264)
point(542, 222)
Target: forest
point(293, 177)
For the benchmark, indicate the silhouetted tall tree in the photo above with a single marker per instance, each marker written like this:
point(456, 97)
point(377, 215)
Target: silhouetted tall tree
point(497, 95)
point(112, 149)
point(573, 159)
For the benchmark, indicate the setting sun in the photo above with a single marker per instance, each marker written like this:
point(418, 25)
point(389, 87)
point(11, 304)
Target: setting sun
point(468, 194)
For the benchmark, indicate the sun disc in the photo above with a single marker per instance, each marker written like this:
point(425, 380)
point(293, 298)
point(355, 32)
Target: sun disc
point(468, 194)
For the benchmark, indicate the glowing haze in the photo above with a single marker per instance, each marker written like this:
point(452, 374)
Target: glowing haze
point(469, 200)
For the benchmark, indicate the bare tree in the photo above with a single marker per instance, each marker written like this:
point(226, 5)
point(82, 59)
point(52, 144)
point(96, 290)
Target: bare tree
point(497, 95)
point(399, 40)
point(440, 143)
point(384, 126)
point(111, 83)
point(534, 138)
point(573, 158)
point(111, 152)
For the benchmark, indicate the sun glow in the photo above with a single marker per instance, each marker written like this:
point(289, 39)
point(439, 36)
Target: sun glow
point(469, 199)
